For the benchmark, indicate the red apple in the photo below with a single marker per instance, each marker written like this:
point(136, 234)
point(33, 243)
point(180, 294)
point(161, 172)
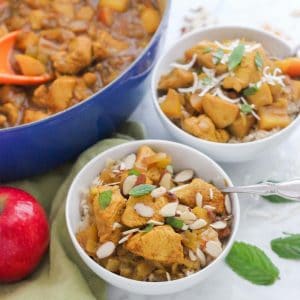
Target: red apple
point(24, 234)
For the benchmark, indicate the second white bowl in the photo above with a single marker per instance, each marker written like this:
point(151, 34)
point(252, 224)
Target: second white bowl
point(219, 151)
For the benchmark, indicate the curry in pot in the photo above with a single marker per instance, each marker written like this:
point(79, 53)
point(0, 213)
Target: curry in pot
point(80, 45)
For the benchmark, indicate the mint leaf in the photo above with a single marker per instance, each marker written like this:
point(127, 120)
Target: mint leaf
point(134, 172)
point(218, 55)
point(207, 50)
point(148, 228)
point(259, 61)
point(252, 264)
point(246, 108)
point(105, 198)
point(236, 57)
point(141, 190)
point(207, 81)
point(174, 222)
point(287, 247)
point(251, 90)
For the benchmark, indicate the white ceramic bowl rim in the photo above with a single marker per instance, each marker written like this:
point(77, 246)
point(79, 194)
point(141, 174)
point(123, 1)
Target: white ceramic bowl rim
point(165, 284)
point(195, 139)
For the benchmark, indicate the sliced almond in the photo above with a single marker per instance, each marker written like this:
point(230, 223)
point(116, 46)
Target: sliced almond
point(170, 169)
point(109, 163)
point(182, 209)
point(116, 225)
point(166, 181)
point(144, 210)
point(177, 188)
point(213, 248)
point(154, 222)
point(188, 216)
point(130, 231)
point(159, 192)
point(192, 256)
point(211, 194)
point(201, 257)
point(129, 161)
point(185, 227)
point(128, 184)
point(124, 239)
point(209, 207)
point(228, 204)
point(169, 210)
point(199, 199)
point(184, 176)
point(198, 224)
point(105, 250)
point(168, 276)
point(219, 225)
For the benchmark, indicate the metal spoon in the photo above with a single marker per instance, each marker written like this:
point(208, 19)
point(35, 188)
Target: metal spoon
point(289, 189)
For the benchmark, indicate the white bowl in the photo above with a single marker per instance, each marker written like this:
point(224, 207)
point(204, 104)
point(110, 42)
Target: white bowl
point(183, 157)
point(223, 152)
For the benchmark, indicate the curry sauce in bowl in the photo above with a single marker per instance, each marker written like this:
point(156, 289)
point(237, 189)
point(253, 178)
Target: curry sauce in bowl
point(148, 218)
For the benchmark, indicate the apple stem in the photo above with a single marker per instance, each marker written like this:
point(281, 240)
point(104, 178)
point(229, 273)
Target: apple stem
point(2, 203)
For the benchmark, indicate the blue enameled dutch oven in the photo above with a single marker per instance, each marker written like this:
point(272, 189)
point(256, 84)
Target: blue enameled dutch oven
point(35, 148)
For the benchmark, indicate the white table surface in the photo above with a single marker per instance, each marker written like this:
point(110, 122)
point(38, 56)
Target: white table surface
point(260, 221)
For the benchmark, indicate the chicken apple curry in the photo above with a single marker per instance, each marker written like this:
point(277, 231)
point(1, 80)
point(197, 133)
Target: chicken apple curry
point(79, 44)
point(142, 221)
point(230, 91)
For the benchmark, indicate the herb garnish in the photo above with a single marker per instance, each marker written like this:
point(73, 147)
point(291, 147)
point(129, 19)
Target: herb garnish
point(251, 90)
point(218, 55)
point(148, 228)
point(174, 222)
point(236, 57)
point(246, 108)
point(258, 61)
point(141, 190)
point(287, 247)
point(207, 50)
point(105, 198)
point(207, 80)
point(134, 172)
point(252, 263)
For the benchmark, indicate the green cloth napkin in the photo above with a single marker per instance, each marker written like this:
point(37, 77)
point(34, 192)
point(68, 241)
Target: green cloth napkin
point(62, 274)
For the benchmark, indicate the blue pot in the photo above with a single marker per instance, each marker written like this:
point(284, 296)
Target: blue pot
point(35, 148)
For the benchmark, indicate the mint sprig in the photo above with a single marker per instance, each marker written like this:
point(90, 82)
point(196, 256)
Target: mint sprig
point(259, 61)
point(252, 264)
point(251, 90)
point(142, 190)
point(236, 57)
point(287, 247)
point(105, 199)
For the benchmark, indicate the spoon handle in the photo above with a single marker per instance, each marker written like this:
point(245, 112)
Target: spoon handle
point(289, 189)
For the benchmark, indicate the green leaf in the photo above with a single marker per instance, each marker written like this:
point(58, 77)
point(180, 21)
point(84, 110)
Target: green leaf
point(236, 57)
point(252, 264)
point(251, 90)
point(141, 190)
point(246, 108)
point(174, 222)
point(148, 228)
point(259, 61)
point(287, 247)
point(105, 198)
point(218, 55)
point(134, 172)
point(207, 50)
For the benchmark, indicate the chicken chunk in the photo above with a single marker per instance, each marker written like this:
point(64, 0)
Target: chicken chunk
point(142, 153)
point(162, 244)
point(177, 78)
point(171, 106)
point(78, 56)
point(30, 66)
point(242, 125)
point(262, 97)
point(272, 116)
point(131, 218)
point(31, 115)
point(211, 195)
point(88, 239)
point(295, 90)
point(204, 128)
point(61, 92)
point(221, 112)
point(106, 217)
point(11, 111)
